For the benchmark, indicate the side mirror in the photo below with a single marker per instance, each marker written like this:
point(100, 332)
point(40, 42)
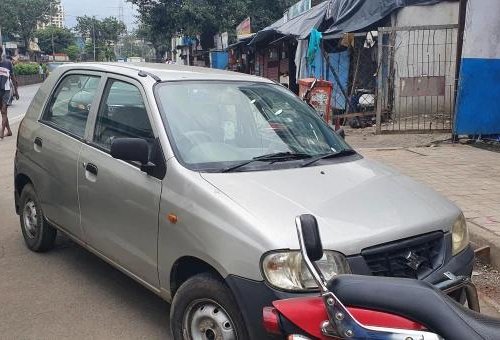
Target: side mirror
point(130, 149)
point(311, 237)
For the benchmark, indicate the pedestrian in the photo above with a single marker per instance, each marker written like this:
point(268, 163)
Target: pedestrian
point(6, 74)
point(40, 71)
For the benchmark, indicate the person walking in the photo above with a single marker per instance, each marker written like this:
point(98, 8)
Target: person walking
point(6, 74)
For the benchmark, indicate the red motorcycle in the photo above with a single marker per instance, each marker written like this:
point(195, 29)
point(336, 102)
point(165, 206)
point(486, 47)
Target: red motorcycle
point(368, 307)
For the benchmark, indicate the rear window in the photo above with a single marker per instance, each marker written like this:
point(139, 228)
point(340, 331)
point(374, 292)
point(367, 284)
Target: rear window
point(70, 104)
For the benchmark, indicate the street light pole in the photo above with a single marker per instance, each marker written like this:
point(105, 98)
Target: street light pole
point(93, 33)
point(52, 33)
point(1, 41)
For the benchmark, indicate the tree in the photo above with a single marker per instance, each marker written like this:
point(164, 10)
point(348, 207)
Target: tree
point(73, 52)
point(158, 23)
point(163, 19)
point(264, 12)
point(132, 45)
point(23, 16)
point(103, 34)
point(62, 38)
point(8, 22)
point(30, 13)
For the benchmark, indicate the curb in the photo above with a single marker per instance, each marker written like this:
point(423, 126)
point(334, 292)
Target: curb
point(481, 237)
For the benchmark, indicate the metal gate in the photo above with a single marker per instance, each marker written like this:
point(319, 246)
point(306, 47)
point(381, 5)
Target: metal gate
point(416, 78)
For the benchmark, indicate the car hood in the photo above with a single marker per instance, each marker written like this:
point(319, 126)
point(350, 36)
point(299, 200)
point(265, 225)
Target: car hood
point(358, 204)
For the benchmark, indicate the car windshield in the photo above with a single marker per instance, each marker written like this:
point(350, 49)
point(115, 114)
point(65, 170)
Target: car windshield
point(214, 126)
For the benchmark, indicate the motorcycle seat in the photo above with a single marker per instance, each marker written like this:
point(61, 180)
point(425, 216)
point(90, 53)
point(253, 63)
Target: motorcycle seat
point(417, 301)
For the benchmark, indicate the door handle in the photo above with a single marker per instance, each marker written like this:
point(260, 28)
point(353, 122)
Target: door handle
point(91, 168)
point(38, 142)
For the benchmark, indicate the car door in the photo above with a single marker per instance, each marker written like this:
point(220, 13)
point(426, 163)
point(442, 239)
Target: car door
point(119, 203)
point(57, 142)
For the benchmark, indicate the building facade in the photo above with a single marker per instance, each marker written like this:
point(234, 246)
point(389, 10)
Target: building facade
point(57, 19)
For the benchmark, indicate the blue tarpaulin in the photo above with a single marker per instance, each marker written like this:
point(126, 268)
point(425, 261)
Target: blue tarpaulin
point(219, 59)
point(320, 70)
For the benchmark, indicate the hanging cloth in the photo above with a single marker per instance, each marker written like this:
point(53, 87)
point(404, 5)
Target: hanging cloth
point(314, 46)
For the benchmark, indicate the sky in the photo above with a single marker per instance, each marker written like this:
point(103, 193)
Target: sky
point(98, 8)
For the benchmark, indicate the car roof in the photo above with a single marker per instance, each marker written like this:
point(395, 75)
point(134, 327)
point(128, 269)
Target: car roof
point(165, 72)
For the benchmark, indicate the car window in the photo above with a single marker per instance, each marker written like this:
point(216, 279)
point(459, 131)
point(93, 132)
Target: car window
point(70, 104)
point(122, 115)
point(91, 84)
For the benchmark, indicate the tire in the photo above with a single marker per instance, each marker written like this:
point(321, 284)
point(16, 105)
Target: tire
point(355, 123)
point(38, 235)
point(195, 300)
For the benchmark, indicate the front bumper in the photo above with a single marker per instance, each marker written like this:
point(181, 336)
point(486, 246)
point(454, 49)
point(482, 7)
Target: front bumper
point(252, 296)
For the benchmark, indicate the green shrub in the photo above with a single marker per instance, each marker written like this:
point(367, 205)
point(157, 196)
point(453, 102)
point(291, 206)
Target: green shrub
point(24, 69)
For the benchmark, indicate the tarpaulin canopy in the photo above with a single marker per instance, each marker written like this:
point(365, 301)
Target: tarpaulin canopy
point(299, 26)
point(345, 16)
point(354, 15)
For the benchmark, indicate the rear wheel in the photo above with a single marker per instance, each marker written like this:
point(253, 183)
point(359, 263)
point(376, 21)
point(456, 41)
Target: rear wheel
point(38, 235)
point(204, 309)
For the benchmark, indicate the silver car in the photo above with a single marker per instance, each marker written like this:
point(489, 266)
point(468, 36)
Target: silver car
point(189, 179)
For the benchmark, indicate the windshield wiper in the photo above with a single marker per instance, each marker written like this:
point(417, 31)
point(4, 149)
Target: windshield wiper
point(272, 157)
point(341, 153)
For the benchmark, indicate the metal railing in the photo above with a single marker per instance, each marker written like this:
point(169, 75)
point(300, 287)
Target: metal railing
point(416, 78)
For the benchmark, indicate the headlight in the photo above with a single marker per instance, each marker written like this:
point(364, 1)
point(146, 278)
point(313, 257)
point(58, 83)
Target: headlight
point(459, 235)
point(286, 270)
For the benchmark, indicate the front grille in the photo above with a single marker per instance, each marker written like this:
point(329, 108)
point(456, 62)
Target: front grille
point(390, 259)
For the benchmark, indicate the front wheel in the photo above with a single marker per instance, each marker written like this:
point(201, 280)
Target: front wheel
point(204, 309)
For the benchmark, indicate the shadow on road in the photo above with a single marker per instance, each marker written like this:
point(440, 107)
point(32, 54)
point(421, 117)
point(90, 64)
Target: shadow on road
point(112, 283)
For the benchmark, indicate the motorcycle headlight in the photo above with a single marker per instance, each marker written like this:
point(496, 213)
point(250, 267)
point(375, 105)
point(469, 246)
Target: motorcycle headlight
point(459, 235)
point(286, 270)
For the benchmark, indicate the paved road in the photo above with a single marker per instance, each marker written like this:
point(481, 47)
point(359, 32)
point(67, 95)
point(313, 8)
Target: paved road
point(19, 107)
point(66, 293)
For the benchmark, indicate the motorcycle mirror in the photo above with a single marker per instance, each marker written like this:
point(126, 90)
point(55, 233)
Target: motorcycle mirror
point(310, 246)
point(311, 237)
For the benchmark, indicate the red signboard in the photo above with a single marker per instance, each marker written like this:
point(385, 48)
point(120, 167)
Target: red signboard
point(244, 28)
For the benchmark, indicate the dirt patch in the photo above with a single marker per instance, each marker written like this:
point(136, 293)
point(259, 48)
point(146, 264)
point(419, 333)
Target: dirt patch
point(487, 280)
point(367, 138)
point(488, 145)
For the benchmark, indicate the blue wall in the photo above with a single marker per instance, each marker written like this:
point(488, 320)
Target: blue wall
point(478, 99)
point(478, 110)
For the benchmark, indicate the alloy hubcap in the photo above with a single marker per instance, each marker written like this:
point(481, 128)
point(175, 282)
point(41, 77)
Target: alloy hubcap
point(30, 219)
point(207, 320)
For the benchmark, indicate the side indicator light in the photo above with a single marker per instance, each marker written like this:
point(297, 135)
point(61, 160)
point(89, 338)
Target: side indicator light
point(172, 218)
